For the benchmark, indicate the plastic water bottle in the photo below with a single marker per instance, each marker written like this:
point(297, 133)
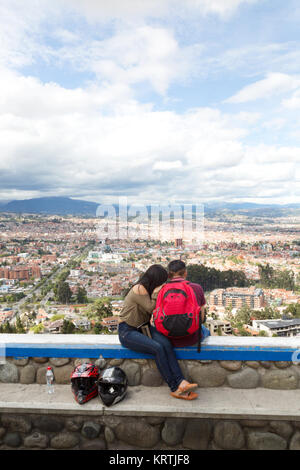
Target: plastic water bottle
point(50, 380)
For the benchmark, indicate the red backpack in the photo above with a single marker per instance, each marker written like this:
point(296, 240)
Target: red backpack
point(177, 313)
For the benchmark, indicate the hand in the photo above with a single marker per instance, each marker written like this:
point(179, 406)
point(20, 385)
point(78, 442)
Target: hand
point(157, 289)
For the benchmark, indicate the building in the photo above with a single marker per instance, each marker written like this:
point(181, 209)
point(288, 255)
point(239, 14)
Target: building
point(219, 327)
point(82, 323)
point(117, 306)
point(278, 327)
point(56, 326)
point(111, 323)
point(237, 297)
point(21, 273)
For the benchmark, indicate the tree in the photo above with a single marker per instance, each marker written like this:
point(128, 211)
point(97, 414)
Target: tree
point(101, 308)
point(242, 317)
point(266, 274)
point(243, 332)
point(68, 327)
point(81, 295)
point(294, 309)
point(97, 328)
point(211, 278)
point(262, 333)
point(38, 328)
point(63, 292)
point(19, 326)
point(284, 280)
point(276, 279)
point(7, 328)
point(268, 313)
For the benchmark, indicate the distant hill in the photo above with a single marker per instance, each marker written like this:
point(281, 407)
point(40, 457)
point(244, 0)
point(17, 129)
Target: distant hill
point(67, 206)
point(251, 209)
point(51, 205)
point(248, 206)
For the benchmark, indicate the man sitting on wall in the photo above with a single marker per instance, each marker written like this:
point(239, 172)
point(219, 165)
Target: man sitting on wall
point(177, 270)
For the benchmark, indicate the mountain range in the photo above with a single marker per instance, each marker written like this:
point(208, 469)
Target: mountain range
point(68, 206)
point(50, 205)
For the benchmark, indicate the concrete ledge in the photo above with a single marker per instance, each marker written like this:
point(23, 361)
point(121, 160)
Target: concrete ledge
point(214, 403)
point(213, 348)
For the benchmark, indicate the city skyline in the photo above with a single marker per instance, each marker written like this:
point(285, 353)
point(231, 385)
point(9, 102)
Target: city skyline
point(159, 101)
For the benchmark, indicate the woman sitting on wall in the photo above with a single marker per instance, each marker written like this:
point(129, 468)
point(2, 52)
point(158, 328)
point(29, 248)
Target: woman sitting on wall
point(137, 310)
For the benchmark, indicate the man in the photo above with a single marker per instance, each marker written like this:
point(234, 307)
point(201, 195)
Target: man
point(177, 270)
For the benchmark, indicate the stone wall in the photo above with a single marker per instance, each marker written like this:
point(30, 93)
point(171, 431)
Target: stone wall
point(279, 375)
point(33, 431)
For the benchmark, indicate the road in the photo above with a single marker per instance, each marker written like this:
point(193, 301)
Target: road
point(37, 291)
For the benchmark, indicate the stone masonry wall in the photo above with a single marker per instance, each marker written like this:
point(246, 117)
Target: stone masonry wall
point(33, 431)
point(38, 431)
point(236, 374)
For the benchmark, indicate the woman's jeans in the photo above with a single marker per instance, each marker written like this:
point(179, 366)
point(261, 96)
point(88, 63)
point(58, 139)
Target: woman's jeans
point(159, 346)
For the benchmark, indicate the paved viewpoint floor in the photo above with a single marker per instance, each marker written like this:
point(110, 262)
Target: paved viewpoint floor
point(218, 403)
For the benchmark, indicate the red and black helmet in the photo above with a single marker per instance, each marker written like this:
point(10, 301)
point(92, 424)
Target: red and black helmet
point(84, 380)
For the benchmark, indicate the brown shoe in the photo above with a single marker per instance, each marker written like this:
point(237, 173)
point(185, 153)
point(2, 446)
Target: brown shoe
point(185, 396)
point(186, 388)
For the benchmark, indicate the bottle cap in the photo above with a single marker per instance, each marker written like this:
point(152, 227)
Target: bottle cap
point(49, 368)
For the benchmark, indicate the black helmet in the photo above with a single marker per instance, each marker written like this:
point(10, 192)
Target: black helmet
point(84, 382)
point(112, 385)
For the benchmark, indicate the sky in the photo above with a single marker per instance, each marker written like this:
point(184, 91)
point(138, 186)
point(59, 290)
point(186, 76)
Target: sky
point(179, 101)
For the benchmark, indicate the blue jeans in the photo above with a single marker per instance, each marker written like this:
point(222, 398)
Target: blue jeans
point(159, 347)
point(205, 332)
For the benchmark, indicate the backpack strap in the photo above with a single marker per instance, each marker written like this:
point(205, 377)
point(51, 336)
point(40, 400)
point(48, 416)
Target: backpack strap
point(199, 332)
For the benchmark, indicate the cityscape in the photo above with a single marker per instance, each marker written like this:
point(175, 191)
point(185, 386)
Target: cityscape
point(57, 276)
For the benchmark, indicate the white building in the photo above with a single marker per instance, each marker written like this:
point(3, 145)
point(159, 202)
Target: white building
point(278, 327)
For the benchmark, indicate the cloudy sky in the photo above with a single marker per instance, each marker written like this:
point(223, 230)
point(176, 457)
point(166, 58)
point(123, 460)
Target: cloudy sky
point(156, 100)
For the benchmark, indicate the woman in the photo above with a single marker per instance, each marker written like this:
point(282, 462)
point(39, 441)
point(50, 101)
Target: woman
point(138, 306)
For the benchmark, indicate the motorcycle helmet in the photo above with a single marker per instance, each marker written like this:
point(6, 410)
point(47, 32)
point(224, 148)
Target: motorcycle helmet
point(84, 382)
point(112, 385)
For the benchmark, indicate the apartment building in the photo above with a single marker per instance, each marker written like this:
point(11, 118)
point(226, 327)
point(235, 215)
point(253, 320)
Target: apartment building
point(236, 297)
point(20, 272)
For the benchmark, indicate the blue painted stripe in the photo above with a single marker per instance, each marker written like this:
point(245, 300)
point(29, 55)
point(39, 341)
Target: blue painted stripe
point(117, 351)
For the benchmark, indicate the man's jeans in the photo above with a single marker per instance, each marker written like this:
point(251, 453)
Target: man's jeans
point(205, 332)
point(159, 347)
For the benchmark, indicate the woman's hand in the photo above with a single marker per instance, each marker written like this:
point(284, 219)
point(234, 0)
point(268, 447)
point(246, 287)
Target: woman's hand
point(156, 291)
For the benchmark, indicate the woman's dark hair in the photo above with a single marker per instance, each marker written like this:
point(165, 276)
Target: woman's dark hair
point(177, 266)
point(155, 276)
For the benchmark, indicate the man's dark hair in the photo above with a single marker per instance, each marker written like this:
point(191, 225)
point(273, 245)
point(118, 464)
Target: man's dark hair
point(177, 266)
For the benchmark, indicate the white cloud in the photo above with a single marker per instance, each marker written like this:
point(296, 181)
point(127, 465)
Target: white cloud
point(220, 7)
point(22, 37)
point(273, 84)
point(59, 141)
point(274, 124)
point(101, 10)
point(143, 54)
point(254, 58)
point(293, 102)
point(167, 165)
